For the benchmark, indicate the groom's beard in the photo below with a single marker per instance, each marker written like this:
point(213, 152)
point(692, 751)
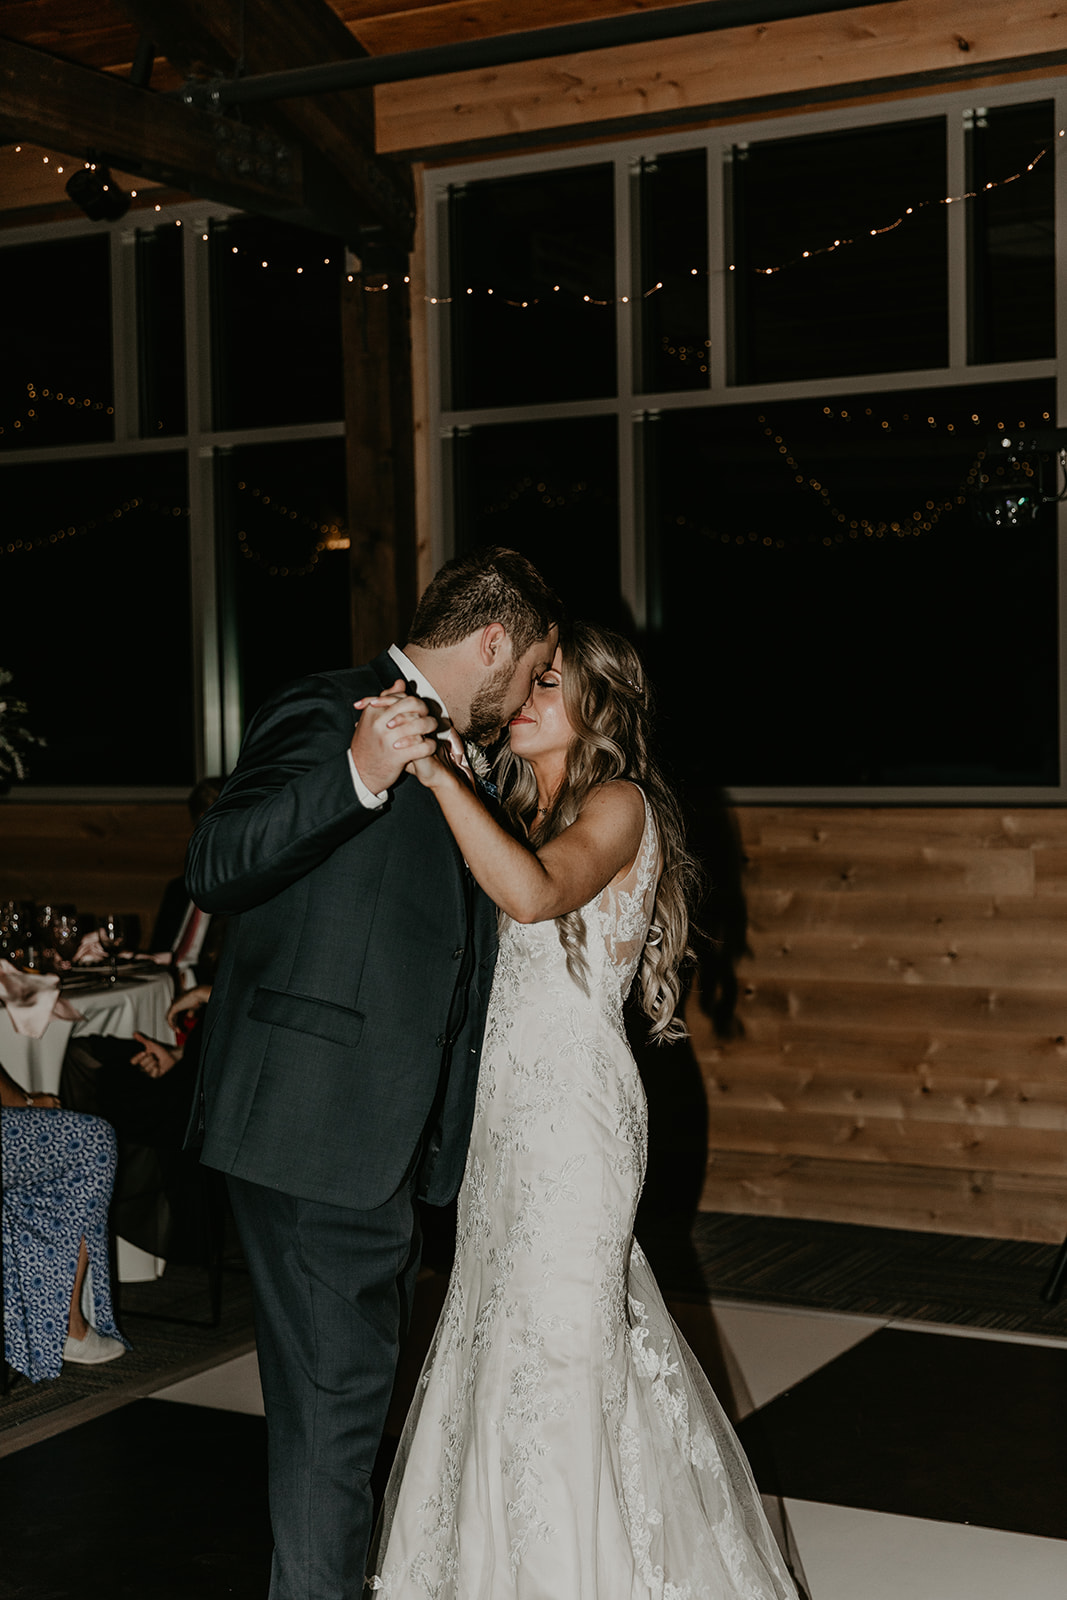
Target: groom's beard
point(490, 709)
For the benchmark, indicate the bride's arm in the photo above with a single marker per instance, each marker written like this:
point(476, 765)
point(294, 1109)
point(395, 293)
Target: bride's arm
point(565, 873)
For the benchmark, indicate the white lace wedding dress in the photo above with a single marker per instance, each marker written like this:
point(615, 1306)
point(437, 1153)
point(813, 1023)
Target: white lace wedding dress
point(564, 1444)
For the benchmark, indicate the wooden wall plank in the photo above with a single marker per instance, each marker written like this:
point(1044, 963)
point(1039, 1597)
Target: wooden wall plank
point(870, 44)
point(778, 909)
point(903, 1005)
point(930, 1200)
point(101, 857)
point(893, 1143)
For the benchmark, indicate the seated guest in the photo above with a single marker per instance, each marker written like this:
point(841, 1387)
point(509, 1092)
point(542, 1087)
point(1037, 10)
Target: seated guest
point(58, 1168)
point(145, 1089)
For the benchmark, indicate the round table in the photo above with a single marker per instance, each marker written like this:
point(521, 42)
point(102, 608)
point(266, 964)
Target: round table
point(132, 1005)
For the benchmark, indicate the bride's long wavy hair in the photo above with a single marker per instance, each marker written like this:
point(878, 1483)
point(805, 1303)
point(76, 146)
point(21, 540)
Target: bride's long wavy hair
point(609, 706)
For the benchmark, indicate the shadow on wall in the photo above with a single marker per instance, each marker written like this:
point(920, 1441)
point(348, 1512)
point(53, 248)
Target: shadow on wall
point(674, 1083)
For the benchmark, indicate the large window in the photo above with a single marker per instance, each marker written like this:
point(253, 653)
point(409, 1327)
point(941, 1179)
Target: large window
point(174, 541)
point(748, 391)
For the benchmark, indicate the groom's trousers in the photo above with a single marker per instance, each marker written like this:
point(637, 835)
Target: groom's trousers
point(333, 1290)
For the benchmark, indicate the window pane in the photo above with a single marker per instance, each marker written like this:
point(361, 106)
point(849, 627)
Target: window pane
point(276, 324)
point(673, 209)
point(871, 295)
point(283, 550)
point(161, 330)
point(1013, 234)
point(55, 343)
point(533, 288)
point(94, 617)
point(824, 585)
point(548, 489)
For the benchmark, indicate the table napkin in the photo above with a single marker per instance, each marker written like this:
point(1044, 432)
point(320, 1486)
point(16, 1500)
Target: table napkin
point(33, 999)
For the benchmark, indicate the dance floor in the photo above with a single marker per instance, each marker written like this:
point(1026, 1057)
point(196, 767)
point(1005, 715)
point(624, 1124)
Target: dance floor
point(914, 1461)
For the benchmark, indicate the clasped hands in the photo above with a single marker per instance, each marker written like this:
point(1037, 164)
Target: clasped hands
point(396, 733)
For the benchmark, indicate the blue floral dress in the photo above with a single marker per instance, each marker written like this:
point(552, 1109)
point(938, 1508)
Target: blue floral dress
point(58, 1169)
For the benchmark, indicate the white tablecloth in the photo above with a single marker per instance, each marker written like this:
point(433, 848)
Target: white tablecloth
point(133, 1005)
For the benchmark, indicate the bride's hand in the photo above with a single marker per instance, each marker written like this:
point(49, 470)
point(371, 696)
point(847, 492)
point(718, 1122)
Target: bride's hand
point(436, 771)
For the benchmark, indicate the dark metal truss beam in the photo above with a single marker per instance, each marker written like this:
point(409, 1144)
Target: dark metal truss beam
point(704, 16)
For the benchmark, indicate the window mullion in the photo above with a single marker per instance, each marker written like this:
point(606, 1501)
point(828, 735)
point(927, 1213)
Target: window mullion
point(956, 130)
point(717, 264)
point(206, 640)
point(631, 554)
point(124, 334)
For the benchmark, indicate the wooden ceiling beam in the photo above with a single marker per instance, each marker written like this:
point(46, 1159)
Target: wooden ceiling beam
point(864, 49)
point(204, 37)
point(96, 116)
point(398, 25)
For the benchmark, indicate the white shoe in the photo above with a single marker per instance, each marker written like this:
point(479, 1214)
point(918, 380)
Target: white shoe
point(94, 1348)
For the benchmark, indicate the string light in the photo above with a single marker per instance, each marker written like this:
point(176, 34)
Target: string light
point(331, 536)
point(72, 530)
point(918, 521)
point(915, 523)
point(553, 497)
point(54, 397)
point(920, 205)
point(810, 254)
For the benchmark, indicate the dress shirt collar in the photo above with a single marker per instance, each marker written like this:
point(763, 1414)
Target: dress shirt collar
point(420, 683)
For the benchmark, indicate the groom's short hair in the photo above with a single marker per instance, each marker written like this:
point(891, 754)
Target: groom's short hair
point(487, 585)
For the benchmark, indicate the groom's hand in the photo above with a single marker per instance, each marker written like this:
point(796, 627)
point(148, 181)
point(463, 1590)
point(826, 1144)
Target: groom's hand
point(394, 728)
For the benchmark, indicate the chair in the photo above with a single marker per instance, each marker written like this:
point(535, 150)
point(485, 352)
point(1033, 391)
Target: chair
point(207, 1191)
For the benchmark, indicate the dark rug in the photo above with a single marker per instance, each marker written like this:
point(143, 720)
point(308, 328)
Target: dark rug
point(957, 1430)
point(166, 1323)
point(153, 1499)
point(839, 1266)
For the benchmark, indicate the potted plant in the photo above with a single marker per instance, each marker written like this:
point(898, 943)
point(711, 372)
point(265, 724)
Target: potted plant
point(15, 738)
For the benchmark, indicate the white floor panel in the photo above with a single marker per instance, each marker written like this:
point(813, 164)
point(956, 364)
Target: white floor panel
point(232, 1387)
point(768, 1350)
point(869, 1555)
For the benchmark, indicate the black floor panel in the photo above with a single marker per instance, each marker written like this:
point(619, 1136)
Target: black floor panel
point(156, 1501)
point(925, 1425)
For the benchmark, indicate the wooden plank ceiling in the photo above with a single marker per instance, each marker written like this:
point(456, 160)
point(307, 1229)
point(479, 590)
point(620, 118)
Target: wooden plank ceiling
point(359, 141)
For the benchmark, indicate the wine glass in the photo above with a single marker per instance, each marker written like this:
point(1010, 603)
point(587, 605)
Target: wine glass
point(64, 935)
point(110, 931)
point(12, 937)
point(42, 922)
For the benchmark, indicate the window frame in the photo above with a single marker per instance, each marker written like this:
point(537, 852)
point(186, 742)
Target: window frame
point(217, 716)
point(631, 407)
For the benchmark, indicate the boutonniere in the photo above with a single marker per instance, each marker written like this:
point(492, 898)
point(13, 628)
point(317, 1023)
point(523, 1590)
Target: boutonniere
point(481, 766)
point(477, 759)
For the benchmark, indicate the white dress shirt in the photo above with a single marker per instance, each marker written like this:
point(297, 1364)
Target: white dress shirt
point(420, 685)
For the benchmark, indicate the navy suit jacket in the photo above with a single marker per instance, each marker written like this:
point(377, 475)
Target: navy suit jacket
point(342, 1038)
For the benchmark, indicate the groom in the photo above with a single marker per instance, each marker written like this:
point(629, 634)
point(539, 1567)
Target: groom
point(340, 1047)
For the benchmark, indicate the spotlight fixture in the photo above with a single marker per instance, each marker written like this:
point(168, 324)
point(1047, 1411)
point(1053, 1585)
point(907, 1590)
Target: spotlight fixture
point(1021, 473)
point(98, 195)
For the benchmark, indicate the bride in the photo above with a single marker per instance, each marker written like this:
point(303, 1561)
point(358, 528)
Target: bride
point(564, 1444)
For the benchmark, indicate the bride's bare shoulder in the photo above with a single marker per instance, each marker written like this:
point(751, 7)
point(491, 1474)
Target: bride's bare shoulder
point(618, 805)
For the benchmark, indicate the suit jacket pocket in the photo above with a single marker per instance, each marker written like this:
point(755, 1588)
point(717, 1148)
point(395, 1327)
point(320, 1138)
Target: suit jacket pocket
point(322, 1018)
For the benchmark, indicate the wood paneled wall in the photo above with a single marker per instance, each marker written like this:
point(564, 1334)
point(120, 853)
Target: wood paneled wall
point(103, 857)
point(904, 1058)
